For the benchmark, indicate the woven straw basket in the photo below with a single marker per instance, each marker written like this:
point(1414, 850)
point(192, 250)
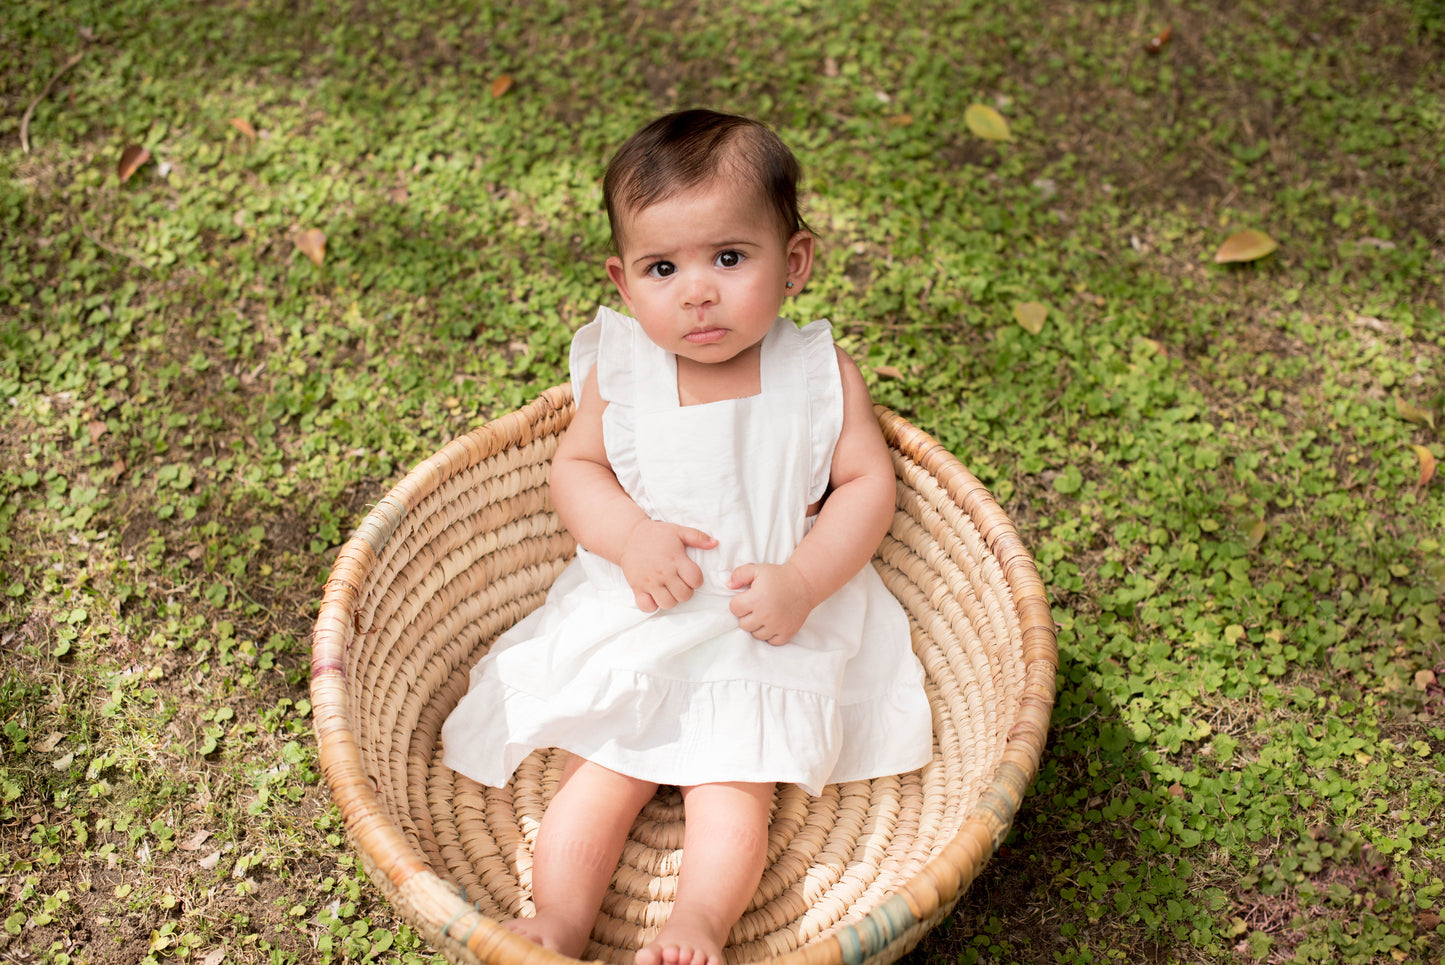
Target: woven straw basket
point(468, 543)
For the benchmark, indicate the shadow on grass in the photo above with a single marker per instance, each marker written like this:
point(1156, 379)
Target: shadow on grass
point(1012, 911)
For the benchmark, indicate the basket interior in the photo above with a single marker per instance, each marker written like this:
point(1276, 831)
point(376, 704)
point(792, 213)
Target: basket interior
point(472, 546)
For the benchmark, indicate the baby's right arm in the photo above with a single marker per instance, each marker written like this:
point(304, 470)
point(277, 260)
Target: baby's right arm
point(606, 521)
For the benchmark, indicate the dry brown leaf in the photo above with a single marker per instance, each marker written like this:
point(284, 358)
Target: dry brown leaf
point(97, 429)
point(130, 161)
point(1413, 413)
point(210, 861)
point(1159, 41)
point(194, 842)
point(1427, 464)
point(1031, 316)
point(501, 85)
point(312, 244)
point(901, 120)
point(245, 127)
point(887, 372)
point(1246, 245)
point(49, 743)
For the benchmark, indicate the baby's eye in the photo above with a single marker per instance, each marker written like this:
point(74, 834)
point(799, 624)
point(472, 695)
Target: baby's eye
point(729, 259)
point(661, 269)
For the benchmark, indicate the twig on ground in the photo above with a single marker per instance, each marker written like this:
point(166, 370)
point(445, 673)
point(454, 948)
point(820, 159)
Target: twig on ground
point(111, 248)
point(105, 246)
point(25, 118)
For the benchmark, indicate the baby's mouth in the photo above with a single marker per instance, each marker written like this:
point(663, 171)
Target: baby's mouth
point(703, 336)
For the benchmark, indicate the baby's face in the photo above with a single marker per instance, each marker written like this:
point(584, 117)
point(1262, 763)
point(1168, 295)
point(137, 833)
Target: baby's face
point(706, 271)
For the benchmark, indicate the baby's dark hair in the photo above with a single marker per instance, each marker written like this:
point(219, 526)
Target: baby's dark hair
point(682, 150)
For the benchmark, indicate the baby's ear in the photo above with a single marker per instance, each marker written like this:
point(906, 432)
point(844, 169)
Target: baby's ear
point(618, 275)
point(800, 259)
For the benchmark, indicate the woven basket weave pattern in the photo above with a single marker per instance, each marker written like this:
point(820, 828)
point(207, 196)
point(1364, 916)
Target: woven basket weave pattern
point(467, 544)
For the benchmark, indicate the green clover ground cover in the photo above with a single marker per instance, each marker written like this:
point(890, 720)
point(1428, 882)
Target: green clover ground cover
point(1213, 464)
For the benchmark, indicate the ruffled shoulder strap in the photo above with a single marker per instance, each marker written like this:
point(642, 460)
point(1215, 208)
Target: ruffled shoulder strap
point(825, 401)
point(616, 347)
point(606, 344)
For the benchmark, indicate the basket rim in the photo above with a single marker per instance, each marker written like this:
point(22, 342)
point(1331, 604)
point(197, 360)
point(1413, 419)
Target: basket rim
point(935, 887)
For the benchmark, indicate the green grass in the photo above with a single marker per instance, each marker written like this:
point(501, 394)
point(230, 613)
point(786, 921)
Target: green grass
point(1212, 464)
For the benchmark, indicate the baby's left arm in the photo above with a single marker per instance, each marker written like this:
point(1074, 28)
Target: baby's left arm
point(854, 517)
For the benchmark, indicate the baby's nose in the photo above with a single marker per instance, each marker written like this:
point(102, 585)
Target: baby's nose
point(699, 290)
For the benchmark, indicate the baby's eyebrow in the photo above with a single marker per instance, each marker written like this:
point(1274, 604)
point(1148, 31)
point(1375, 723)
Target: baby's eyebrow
point(740, 243)
point(737, 243)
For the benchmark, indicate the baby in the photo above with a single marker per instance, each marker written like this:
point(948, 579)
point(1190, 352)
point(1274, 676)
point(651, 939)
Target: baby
point(727, 483)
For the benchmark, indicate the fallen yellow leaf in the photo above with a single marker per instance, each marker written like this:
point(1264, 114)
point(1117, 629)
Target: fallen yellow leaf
point(987, 123)
point(1427, 464)
point(1413, 413)
point(1246, 245)
point(1031, 316)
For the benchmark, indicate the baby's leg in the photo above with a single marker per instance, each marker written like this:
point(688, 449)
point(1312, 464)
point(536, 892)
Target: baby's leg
point(724, 847)
point(578, 847)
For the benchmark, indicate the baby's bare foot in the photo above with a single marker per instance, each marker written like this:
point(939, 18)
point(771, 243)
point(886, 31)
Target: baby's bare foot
point(684, 940)
point(563, 937)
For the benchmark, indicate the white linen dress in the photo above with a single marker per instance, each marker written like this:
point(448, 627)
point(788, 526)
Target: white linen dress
point(684, 696)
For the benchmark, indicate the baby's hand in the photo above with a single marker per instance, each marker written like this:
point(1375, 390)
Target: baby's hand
point(656, 564)
point(774, 605)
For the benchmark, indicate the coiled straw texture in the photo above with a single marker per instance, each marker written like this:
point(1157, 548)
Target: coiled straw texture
point(467, 544)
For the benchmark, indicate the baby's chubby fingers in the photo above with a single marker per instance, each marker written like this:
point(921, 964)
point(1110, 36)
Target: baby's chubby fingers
point(741, 577)
point(682, 585)
point(695, 538)
point(689, 575)
point(772, 604)
point(742, 607)
point(687, 569)
point(776, 639)
point(656, 565)
point(749, 622)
